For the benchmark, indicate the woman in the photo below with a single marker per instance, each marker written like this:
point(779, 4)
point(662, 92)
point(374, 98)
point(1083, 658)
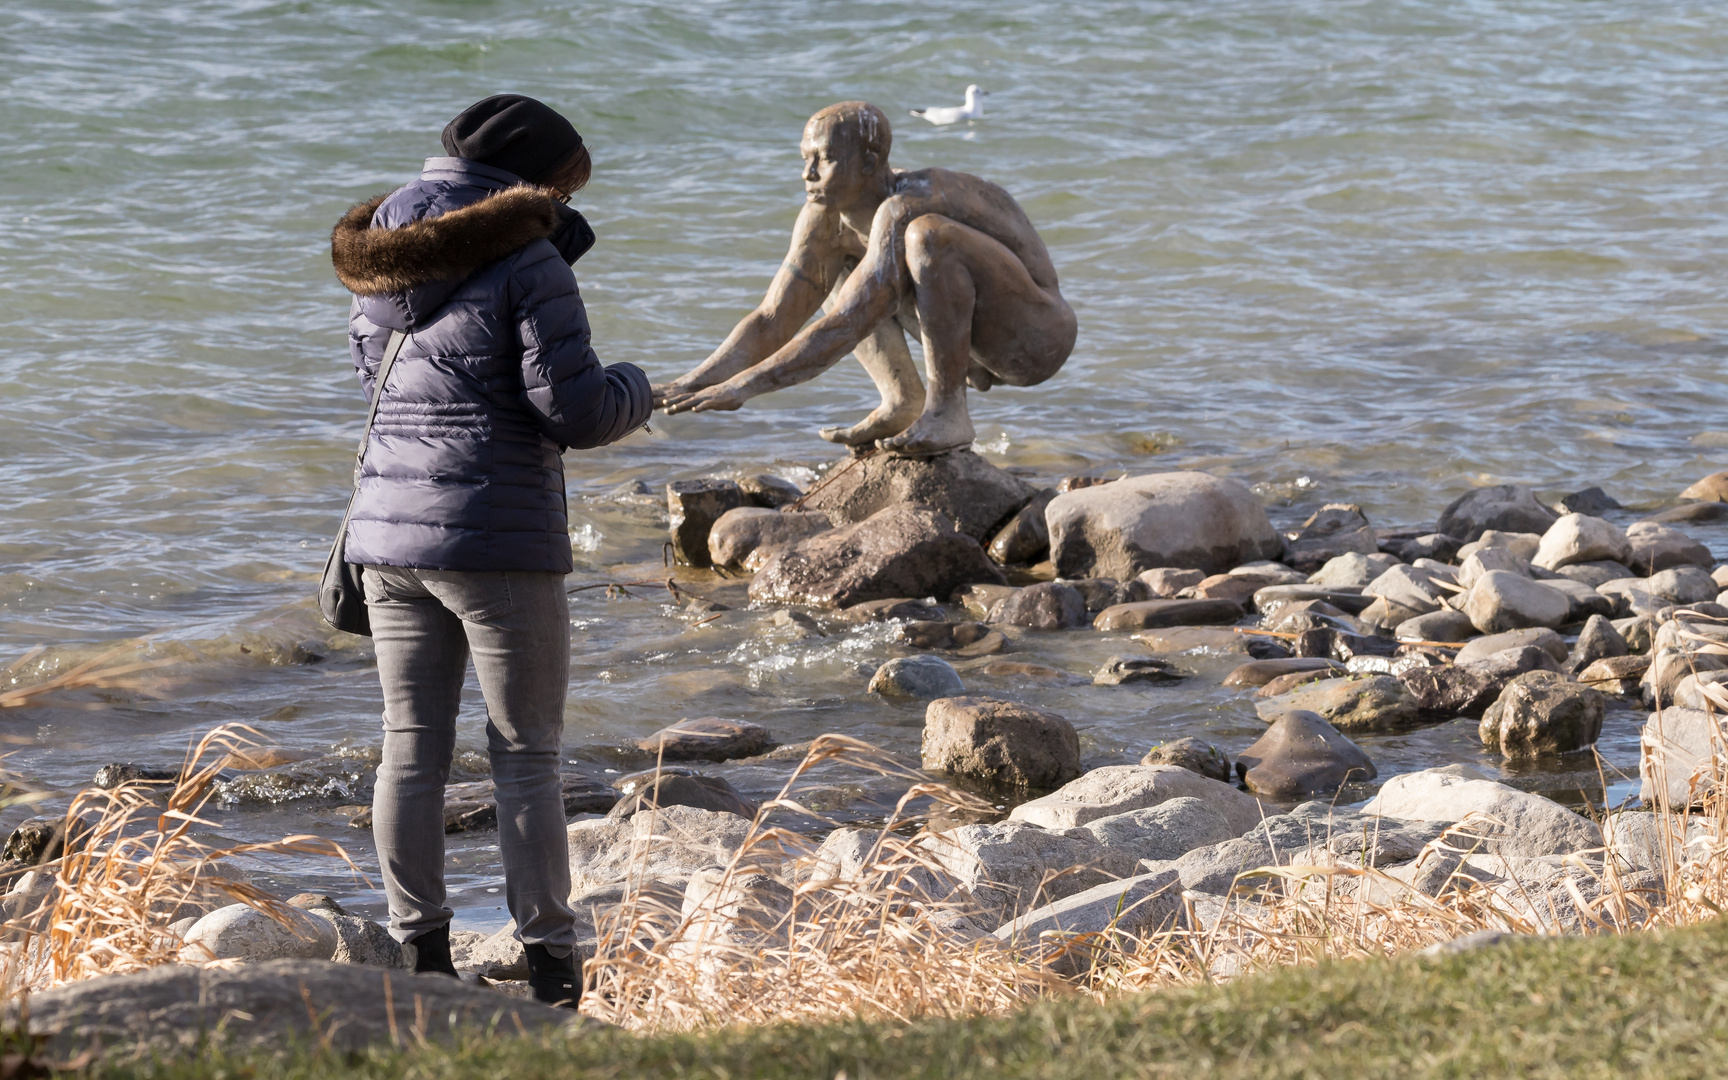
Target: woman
point(459, 514)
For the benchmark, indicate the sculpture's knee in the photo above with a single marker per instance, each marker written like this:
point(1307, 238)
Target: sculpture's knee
point(924, 245)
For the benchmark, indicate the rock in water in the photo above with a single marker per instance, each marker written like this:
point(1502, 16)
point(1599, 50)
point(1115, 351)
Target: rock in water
point(241, 932)
point(740, 532)
point(1156, 614)
point(974, 494)
point(1335, 529)
point(173, 1009)
point(1026, 537)
point(1713, 488)
point(1191, 754)
point(1507, 508)
point(1048, 605)
point(1122, 670)
point(1501, 600)
point(1579, 538)
point(898, 552)
point(918, 677)
point(1657, 547)
point(1301, 755)
point(1592, 500)
point(1177, 519)
point(769, 492)
point(1164, 582)
point(707, 738)
point(1000, 743)
point(1598, 640)
point(694, 506)
point(1375, 703)
point(1540, 713)
point(667, 787)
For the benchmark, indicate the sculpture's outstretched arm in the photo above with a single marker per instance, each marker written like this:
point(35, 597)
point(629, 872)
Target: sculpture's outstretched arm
point(870, 294)
point(798, 289)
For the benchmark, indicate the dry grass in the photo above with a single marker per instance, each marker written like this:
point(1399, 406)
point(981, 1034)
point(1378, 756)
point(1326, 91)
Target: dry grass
point(887, 943)
point(131, 867)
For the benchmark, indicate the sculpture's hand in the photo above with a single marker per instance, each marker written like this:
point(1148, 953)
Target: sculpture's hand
point(722, 398)
point(666, 393)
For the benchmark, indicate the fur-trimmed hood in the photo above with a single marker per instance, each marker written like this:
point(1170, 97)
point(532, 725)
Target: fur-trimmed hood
point(447, 248)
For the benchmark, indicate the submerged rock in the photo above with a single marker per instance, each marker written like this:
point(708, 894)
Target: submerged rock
point(1540, 713)
point(900, 551)
point(1302, 755)
point(972, 493)
point(1192, 754)
point(707, 738)
point(1174, 519)
point(663, 788)
point(1592, 500)
point(1261, 672)
point(1122, 670)
point(1000, 743)
point(1506, 508)
point(1155, 614)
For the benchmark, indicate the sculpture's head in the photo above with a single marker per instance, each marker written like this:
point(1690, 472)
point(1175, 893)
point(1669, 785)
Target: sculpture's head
point(845, 150)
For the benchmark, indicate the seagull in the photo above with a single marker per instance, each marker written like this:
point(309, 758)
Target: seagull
point(953, 114)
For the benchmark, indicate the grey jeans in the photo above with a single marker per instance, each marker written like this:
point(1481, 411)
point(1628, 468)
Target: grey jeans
point(425, 625)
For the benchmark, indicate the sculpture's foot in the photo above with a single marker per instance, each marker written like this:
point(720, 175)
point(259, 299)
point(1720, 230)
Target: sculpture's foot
point(866, 431)
point(934, 433)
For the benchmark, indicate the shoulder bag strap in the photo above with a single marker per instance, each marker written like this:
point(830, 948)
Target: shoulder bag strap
point(391, 350)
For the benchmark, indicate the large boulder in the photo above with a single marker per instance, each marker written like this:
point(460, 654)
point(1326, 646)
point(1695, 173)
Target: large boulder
point(898, 552)
point(176, 1009)
point(1302, 755)
point(1657, 547)
point(974, 494)
point(671, 843)
point(1501, 600)
point(1540, 713)
point(1047, 605)
point(1166, 831)
point(1000, 743)
point(1679, 757)
point(1011, 867)
point(1506, 508)
point(1174, 519)
point(1333, 530)
point(1580, 538)
point(1118, 789)
point(1073, 934)
point(1510, 822)
point(243, 932)
point(1370, 703)
point(749, 530)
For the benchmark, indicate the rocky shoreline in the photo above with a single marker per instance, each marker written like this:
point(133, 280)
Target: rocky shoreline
point(1531, 620)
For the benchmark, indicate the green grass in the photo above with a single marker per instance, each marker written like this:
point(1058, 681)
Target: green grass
point(1647, 1005)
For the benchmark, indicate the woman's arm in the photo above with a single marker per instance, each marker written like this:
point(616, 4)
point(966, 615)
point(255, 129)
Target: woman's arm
point(578, 403)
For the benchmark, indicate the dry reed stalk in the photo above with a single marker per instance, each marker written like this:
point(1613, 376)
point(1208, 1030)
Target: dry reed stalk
point(879, 944)
point(131, 867)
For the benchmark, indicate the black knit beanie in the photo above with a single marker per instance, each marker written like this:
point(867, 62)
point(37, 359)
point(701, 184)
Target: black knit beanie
point(513, 133)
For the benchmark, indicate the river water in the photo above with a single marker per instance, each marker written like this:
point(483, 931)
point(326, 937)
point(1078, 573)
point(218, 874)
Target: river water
point(1376, 251)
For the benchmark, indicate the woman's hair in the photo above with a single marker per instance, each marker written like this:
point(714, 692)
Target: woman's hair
point(572, 173)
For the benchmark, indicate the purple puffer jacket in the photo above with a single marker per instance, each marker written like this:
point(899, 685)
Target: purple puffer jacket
point(496, 379)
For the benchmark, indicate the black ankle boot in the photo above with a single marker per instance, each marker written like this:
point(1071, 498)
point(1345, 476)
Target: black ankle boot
point(555, 980)
point(432, 952)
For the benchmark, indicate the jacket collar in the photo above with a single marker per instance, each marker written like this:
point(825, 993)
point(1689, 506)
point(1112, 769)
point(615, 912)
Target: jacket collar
point(455, 170)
